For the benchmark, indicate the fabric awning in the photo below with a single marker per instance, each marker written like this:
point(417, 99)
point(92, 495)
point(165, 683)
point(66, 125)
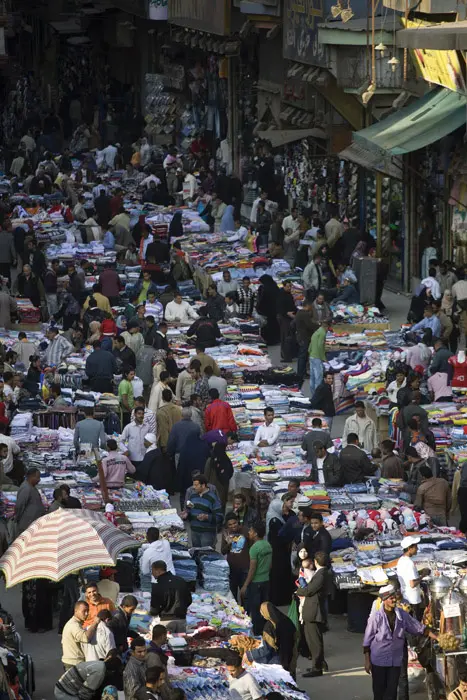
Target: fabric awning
point(280, 137)
point(383, 163)
point(427, 120)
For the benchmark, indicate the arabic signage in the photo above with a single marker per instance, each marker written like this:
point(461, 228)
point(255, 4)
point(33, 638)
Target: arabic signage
point(211, 16)
point(158, 9)
point(438, 67)
point(301, 19)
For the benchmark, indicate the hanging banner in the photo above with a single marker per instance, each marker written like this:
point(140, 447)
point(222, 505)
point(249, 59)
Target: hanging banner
point(438, 67)
point(158, 9)
point(204, 15)
point(301, 19)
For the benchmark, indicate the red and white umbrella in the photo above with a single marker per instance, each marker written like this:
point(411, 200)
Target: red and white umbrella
point(61, 543)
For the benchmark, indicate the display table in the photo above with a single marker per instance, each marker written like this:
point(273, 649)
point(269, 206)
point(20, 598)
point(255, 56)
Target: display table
point(359, 327)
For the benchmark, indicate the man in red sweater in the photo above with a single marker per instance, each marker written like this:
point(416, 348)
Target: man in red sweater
point(218, 414)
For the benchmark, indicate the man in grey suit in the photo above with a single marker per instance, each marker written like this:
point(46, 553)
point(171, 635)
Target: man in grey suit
point(314, 612)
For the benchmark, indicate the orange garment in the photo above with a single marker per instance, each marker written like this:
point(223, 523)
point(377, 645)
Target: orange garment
point(94, 608)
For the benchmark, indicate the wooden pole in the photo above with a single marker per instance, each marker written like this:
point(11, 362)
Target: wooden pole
point(379, 214)
point(102, 481)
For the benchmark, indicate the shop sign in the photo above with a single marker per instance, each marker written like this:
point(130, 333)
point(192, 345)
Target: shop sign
point(204, 15)
point(158, 9)
point(438, 67)
point(301, 19)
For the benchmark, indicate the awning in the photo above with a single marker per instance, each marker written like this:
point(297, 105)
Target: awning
point(355, 31)
point(281, 137)
point(449, 36)
point(385, 164)
point(427, 120)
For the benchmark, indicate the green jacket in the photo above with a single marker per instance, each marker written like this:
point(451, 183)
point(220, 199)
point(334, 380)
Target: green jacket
point(317, 343)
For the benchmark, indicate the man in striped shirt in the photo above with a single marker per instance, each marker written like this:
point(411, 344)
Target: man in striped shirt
point(204, 513)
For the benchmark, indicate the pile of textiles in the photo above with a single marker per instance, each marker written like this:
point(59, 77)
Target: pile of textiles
point(214, 572)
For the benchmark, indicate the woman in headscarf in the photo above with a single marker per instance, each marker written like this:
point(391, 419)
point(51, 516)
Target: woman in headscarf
point(227, 221)
point(266, 306)
point(180, 269)
point(94, 332)
point(69, 310)
point(219, 471)
point(176, 226)
point(420, 299)
point(158, 364)
point(279, 640)
point(280, 586)
point(92, 313)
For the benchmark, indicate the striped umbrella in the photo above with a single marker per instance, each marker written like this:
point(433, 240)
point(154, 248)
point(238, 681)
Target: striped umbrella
point(63, 542)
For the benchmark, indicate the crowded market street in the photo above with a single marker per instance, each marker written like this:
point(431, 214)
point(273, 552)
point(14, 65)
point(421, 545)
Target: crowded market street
point(233, 350)
point(346, 678)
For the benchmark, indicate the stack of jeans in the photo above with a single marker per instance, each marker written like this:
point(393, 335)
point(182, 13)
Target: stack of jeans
point(186, 568)
point(214, 573)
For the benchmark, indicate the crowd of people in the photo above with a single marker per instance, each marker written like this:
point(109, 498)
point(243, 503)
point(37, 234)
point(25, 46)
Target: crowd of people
point(176, 426)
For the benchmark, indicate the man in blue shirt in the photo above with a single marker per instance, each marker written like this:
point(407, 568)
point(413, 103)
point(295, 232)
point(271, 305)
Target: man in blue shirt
point(429, 321)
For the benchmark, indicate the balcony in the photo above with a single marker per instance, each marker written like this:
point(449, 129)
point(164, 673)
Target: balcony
point(351, 68)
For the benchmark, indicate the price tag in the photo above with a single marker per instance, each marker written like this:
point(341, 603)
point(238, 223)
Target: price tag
point(452, 610)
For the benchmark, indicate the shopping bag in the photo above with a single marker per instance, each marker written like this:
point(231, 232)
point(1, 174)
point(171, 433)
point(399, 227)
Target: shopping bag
point(293, 613)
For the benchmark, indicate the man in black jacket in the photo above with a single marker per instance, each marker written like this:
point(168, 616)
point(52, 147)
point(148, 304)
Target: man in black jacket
point(204, 330)
point(316, 434)
point(160, 337)
point(120, 622)
point(155, 680)
point(215, 304)
point(314, 612)
point(170, 598)
point(321, 540)
point(101, 366)
point(354, 462)
point(123, 354)
point(286, 311)
point(326, 466)
point(322, 399)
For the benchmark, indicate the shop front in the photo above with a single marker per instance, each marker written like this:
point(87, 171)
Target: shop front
point(411, 148)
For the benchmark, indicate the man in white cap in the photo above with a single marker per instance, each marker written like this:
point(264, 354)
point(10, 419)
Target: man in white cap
point(409, 577)
point(383, 643)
